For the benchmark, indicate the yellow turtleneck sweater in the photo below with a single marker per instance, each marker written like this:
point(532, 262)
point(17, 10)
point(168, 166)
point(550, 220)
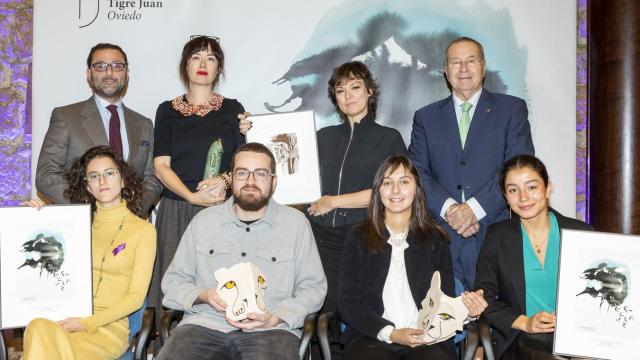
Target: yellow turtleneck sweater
point(128, 245)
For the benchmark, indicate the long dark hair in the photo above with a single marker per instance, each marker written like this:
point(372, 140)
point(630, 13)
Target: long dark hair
point(77, 192)
point(422, 223)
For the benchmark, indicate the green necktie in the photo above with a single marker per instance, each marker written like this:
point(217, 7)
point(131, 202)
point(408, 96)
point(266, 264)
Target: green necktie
point(465, 122)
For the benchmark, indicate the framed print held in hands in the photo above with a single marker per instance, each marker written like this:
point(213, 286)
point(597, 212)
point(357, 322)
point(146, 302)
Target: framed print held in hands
point(291, 137)
point(598, 298)
point(45, 263)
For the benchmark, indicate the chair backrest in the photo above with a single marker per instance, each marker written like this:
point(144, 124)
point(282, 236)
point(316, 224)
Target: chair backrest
point(135, 321)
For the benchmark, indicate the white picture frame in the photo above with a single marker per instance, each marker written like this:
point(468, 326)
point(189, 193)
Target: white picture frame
point(291, 137)
point(45, 264)
point(598, 305)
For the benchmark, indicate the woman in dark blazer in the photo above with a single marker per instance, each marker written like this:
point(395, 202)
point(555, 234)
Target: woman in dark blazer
point(387, 265)
point(518, 264)
point(349, 154)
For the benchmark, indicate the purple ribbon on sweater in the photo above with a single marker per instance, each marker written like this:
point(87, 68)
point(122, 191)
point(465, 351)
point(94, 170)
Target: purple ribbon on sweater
point(118, 248)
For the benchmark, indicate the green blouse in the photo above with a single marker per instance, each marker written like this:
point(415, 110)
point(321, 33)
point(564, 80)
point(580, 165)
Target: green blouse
point(541, 282)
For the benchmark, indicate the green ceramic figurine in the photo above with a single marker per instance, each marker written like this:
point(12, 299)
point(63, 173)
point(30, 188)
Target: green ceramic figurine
point(214, 157)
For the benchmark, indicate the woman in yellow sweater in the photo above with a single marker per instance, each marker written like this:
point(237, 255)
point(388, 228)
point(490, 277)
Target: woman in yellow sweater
point(123, 251)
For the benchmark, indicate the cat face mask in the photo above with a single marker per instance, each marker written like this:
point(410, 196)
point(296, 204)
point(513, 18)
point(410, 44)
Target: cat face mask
point(441, 316)
point(242, 287)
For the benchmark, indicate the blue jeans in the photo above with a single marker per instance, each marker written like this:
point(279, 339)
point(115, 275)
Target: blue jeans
point(194, 342)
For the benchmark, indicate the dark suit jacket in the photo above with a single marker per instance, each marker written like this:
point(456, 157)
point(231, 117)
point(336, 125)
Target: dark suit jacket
point(501, 275)
point(499, 130)
point(363, 274)
point(78, 127)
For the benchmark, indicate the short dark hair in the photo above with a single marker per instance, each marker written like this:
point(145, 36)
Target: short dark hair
point(523, 161)
point(77, 192)
point(195, 45)
point(354, 70)
point(103, 46)
point(255, 148)
point(459, 40)
point(421, 221)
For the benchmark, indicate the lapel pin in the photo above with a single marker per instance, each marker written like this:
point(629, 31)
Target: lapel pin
point(489, 110)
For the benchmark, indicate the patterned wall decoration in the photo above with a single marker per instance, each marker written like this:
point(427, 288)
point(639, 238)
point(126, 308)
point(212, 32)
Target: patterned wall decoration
point(582, 149)
point(16, 33)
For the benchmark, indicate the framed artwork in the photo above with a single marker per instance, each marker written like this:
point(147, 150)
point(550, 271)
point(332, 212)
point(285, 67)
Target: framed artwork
point(45, 263)
point(598, 297)
point(292, 140)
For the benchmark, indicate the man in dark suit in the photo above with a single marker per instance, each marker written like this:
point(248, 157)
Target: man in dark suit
point(101, 120)
point(459, 145)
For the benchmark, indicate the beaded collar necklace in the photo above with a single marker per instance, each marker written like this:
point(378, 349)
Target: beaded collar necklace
point(181, 105)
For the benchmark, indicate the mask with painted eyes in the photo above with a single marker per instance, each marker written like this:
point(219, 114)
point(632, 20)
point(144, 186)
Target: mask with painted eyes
point(242, 287)
point(441, 316)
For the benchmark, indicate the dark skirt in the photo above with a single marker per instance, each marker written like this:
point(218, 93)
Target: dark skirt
point(173, 218)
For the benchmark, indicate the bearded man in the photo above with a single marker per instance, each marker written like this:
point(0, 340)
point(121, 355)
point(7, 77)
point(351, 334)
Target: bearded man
point(101, 120)
point(249, 226)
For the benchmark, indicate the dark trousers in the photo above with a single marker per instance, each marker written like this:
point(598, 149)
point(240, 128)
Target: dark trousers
point(194, 342)
point(530, 347)
point(372, 349)
point(330, 242)
point(464, 255)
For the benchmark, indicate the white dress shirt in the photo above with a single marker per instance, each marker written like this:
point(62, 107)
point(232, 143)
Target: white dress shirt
point(475, 206)
point(399, 307)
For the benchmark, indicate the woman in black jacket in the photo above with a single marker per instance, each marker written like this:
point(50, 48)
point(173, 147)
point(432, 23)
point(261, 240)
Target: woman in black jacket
point(518, 264)
point(387, 266)
point(349, 155)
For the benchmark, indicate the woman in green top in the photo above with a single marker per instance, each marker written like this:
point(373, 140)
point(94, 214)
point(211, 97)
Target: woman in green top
point(518, 264)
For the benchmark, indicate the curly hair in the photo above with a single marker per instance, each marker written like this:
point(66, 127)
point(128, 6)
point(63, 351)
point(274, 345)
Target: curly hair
point(77, 192)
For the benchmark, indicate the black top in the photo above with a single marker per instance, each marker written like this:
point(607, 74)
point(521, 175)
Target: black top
point(364, 273)
point(362, 153)
point(500, 273)
point(187, 140)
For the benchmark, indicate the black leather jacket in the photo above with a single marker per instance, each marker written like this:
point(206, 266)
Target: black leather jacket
point(348, 162)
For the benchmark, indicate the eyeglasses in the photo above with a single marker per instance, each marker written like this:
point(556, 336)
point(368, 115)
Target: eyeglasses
point(107, 174)
point(205, 36)
point(456, 64)
point(102, 66)
point(259, 175)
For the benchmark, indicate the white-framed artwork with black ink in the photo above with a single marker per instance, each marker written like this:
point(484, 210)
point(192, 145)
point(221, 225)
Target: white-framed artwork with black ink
point(598, 297)
point(45, 263)
point(291, 137)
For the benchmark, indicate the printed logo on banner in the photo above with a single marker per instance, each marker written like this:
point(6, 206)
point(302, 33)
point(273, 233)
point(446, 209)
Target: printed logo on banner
point(116, 10)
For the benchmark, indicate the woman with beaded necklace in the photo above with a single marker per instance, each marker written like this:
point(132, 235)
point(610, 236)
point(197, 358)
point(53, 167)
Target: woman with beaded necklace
point(122, 246)
point(195, 137)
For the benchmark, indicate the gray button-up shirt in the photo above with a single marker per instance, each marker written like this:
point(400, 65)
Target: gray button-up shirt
point(281, 244)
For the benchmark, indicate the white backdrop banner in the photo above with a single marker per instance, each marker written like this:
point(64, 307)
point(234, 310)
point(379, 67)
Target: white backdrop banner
point(279, 55)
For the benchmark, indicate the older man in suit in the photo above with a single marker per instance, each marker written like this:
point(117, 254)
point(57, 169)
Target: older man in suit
point(459, 145)
point(101, 120)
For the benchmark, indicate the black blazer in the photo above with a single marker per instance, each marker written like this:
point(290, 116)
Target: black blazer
point(500, 273)
point(364, 273)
